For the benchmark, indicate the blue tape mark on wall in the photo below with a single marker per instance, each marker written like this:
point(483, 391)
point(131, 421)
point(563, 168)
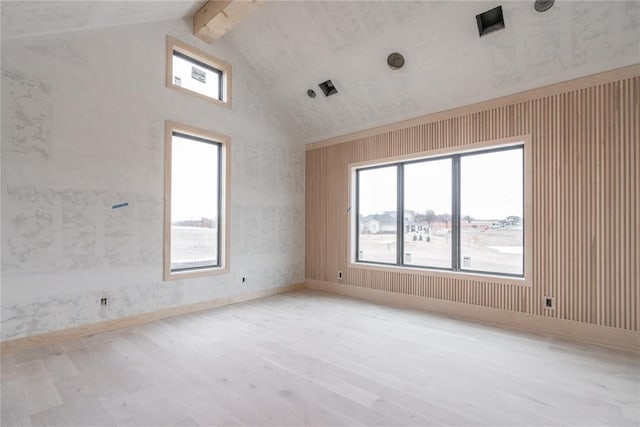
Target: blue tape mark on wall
point(120, 205)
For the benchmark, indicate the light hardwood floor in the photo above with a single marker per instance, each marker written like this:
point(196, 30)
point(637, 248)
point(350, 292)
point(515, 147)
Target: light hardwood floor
point(309, 358)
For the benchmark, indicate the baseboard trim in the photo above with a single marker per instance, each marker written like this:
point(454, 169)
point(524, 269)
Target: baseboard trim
point(129, 321)
point(619, 339)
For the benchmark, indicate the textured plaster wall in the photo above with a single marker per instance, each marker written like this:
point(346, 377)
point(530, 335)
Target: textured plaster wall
point(82, 129)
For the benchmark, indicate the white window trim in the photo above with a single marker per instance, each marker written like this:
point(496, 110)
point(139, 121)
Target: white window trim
point(526, 280)
point(205, 58)
point(225, 197)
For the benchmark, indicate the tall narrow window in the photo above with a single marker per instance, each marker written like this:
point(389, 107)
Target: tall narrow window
point(195, 202)
point(196, 72)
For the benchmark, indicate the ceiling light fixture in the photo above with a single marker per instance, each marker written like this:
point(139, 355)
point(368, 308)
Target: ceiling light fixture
point(490, 21)
point(328, 88)
point(395, 61)
point(311, 93)
point(543, 5)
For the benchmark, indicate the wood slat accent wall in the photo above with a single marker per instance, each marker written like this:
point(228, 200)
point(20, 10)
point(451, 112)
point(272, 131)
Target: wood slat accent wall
point(585, 145)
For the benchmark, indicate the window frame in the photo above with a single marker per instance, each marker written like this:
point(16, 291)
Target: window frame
point(480, 147)
point(204, 60)
point(223, 198)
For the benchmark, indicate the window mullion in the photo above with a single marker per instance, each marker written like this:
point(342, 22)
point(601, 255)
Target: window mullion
point(357, 207)
point(455, 213)
point(221, 82)
point(219, 222)
point(400, 215)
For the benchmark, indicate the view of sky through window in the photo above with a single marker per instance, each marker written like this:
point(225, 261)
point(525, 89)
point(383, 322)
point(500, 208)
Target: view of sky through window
point(427, 215)
point(489, 222)
point(194, 203)
point(491, 189)
point(378, 212)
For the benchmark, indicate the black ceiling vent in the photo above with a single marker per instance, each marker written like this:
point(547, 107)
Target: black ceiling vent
point(328, 88)
point(543, 5)
point(490, 21)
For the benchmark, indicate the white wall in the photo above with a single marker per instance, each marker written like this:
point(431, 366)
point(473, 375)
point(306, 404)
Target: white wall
point(83, 129)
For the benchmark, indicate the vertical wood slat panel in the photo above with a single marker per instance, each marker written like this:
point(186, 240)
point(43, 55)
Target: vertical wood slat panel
point(586, 209)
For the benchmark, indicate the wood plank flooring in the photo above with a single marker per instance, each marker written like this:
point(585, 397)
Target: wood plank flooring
point(309, 358)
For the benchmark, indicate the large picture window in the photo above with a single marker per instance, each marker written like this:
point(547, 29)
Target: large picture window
point(460, 212)
point(195, 222)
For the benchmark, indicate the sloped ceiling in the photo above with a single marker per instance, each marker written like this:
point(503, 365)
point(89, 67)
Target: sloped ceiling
point(296, 45)
point(31, 18)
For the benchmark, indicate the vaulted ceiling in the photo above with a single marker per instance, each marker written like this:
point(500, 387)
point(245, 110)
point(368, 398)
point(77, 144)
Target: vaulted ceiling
point(22, 18)
point(294, 46)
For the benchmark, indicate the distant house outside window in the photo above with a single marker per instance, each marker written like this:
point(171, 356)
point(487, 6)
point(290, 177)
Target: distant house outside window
point(459, 211)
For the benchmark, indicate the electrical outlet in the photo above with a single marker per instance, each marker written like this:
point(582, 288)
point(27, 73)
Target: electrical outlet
point(340, 276)
point(549, 303)
point(244, 280)
point(103, 301)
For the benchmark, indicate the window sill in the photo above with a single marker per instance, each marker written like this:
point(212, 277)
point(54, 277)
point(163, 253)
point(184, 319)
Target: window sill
point(479, 277)
point(190, 274)
point(226, 104)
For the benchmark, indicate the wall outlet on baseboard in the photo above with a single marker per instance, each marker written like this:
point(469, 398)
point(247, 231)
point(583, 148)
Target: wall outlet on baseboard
point(339, 276)
point(549, 303)
point(103, 301)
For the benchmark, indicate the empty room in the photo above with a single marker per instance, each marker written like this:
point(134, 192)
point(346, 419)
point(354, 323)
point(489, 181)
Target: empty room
point(326, 213)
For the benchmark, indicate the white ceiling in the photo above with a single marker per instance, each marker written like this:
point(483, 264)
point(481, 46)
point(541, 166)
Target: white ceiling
point(296, 45)
point(31, 18)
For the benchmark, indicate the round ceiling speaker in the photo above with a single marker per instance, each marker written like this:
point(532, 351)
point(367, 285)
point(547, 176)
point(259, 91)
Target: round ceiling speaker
point(543, 5)
point(311, 93)
point(395, 61)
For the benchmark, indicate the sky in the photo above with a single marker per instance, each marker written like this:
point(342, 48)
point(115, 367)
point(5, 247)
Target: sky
point(194, 179)
point(491, 186)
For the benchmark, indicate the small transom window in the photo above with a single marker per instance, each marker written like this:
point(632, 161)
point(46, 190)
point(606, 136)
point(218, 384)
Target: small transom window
point(196, 72)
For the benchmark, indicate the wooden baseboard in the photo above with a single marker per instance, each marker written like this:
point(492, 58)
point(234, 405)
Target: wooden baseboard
point(575, 331)
point(129, 321)
point(619, 339)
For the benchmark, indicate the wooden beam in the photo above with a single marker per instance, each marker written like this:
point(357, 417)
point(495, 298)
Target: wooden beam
point(216, 18)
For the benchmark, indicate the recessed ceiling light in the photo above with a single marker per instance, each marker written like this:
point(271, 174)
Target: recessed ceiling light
point(395, 61)
point(543, 5)
point(490, 21)
point(328, 88)
point(311, 93)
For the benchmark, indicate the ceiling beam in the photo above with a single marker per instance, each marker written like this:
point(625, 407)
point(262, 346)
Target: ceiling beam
point(216, 17)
